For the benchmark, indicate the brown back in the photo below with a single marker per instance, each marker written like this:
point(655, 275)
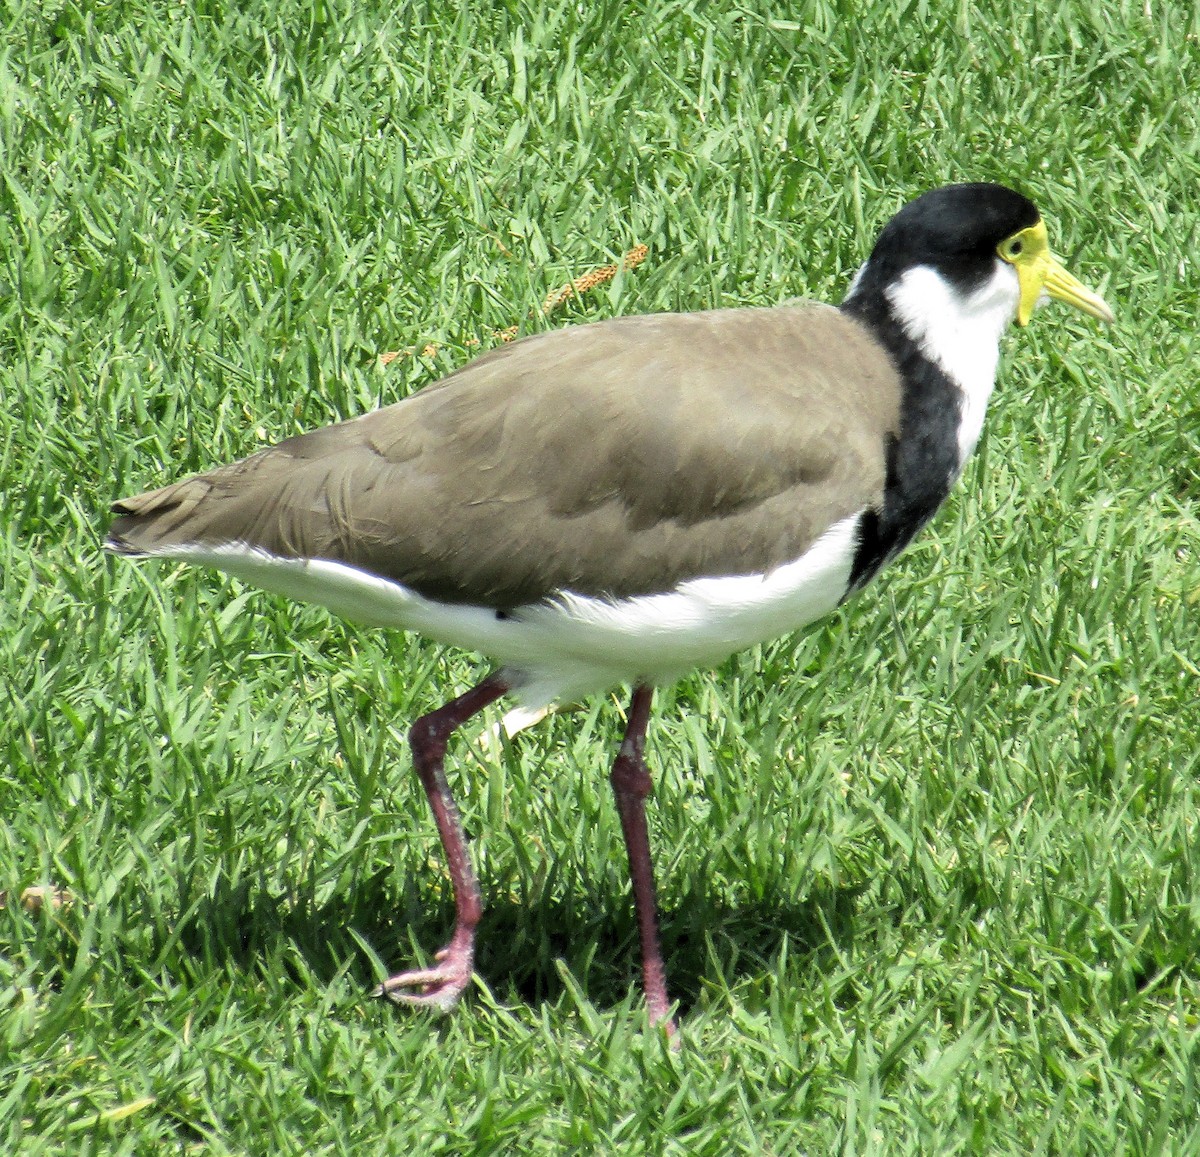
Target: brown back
point(618, 458)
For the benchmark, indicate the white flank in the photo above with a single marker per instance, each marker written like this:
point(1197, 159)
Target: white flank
point(572, 646)
point(961, 334)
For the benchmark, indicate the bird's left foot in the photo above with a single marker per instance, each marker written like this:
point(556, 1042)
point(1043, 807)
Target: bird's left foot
point(439, 987)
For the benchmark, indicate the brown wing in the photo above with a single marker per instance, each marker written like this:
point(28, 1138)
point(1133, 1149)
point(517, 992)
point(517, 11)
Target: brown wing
point(617, 458)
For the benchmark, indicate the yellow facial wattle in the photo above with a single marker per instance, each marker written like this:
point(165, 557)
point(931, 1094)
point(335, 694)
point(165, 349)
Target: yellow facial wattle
point(1039, 271)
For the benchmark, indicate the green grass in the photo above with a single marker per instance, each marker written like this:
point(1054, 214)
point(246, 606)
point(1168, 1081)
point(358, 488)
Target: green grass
point(930, 873)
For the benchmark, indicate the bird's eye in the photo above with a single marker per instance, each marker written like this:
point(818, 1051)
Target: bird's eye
point(1014, 249)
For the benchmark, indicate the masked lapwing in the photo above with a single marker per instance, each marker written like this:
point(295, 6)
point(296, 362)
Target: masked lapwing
point(620, 502)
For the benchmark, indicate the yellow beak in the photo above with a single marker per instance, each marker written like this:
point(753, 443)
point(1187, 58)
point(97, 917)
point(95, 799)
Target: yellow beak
point(1061, 285)
point(1039, 272)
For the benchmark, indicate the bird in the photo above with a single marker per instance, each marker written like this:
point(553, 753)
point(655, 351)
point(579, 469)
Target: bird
point(617, 503)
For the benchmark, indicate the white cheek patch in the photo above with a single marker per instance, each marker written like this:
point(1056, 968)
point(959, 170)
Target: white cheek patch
point(960, 334)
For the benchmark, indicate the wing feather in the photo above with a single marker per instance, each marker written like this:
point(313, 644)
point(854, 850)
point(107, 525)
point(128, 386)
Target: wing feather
point(618, 458)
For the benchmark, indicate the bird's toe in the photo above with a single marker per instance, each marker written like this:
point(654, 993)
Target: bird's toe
point(439, 988)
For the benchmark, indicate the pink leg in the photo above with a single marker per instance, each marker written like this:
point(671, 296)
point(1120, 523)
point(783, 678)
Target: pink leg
point(631, 784)
point(442, 985)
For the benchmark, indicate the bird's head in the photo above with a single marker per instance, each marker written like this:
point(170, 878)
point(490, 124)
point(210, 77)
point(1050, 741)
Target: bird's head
point(985, 242)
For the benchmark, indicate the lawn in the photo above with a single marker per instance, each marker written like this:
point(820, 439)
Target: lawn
point(930, 872)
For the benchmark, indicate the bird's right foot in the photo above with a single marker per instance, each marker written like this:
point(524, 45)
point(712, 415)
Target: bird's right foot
point(439, 987)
